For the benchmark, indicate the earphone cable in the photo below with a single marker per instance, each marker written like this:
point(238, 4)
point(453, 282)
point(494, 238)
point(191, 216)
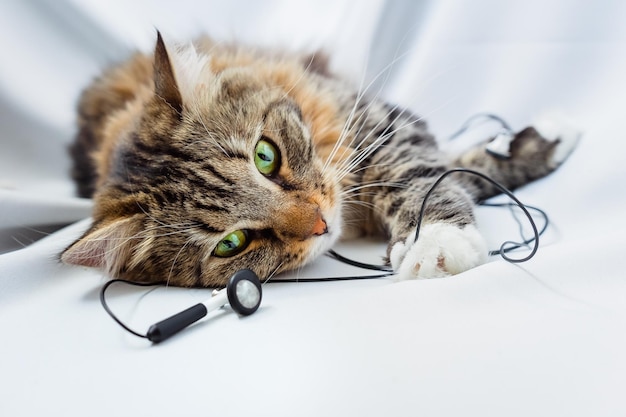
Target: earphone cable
point(504, 190)
point(526, 242)
point(358, 264)
point(473, 120)
point(110, 312)
point(504, 248)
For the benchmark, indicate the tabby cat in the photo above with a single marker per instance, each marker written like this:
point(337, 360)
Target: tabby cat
point(207, 158)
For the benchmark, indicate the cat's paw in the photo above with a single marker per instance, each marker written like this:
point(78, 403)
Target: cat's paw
point(556, 127)
point(442, 249)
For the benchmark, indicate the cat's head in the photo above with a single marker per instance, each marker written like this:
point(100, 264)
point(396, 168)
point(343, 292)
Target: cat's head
point(216, 168)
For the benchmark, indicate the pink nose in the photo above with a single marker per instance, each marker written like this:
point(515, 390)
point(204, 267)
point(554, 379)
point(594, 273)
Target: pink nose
point(320, 227)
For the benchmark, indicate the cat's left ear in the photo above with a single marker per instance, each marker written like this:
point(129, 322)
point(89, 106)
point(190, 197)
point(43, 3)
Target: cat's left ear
point(165, 85)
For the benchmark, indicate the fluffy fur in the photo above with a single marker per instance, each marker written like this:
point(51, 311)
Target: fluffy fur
point(166, 147)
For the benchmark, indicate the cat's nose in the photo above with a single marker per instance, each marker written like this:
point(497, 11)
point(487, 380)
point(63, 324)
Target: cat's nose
point(319, 227)
point(300, 221)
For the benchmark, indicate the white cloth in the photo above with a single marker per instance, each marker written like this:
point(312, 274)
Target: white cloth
point(543, 338)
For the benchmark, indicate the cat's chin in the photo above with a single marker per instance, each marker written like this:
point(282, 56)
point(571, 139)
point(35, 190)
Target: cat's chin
point(320, 245)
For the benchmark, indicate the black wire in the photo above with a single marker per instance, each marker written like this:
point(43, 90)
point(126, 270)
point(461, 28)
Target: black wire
point(504, 190)
point(504, 248)
point(489, 116)
point(110, 312)
point(334, 255)
point(331, 253)
point(348, 278)
point(526, 242)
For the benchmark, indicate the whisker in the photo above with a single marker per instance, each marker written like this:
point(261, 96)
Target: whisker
point(273, 273)
point(367, 151)
point(362, 91)
point(169, 275)
point(121, 241)
point(347, 164)
point(365, 204)
point(378, 184)
point(300, 78)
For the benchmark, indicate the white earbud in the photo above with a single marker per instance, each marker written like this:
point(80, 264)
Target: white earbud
point(500, 146)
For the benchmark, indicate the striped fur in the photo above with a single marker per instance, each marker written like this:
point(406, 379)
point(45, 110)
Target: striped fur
point(166, 149)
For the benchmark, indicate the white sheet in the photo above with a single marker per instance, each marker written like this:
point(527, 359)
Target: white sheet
point(543, 338)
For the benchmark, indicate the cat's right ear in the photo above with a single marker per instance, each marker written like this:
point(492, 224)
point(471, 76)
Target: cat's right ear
point(318, 63)
point(165, 85)
point(108, 245)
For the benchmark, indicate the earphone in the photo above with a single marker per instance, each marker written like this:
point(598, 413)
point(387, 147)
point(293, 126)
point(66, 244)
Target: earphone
point(244, 292)
point(500, 145)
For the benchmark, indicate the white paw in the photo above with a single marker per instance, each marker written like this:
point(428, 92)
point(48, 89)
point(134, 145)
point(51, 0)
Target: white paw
point(442, 249)
point(556, 126)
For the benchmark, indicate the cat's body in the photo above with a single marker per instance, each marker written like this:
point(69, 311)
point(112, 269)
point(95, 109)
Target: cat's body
point(204, 160)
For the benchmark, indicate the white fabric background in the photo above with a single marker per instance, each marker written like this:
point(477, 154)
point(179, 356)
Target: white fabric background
point(544, 338)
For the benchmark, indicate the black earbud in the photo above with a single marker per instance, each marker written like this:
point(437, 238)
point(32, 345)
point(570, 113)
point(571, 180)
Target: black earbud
point(243, 293)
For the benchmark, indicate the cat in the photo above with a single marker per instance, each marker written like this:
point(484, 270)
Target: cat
point(206, 158)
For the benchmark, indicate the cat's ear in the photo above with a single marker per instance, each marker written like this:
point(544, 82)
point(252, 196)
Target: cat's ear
point(165, 85)
point(317, 62)
point(108, 245)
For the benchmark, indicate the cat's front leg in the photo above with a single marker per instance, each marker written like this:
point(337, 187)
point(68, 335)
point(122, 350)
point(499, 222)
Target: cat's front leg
point(404, 163)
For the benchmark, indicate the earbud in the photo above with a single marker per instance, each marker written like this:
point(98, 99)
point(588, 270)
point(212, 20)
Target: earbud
point(243, 293)
point(500, 146)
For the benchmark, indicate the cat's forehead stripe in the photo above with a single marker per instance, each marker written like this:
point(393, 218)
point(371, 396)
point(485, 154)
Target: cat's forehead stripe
point(289, 105)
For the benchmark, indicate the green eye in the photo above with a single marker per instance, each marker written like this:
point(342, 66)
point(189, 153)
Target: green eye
point(232, 244)
point(266, 157)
